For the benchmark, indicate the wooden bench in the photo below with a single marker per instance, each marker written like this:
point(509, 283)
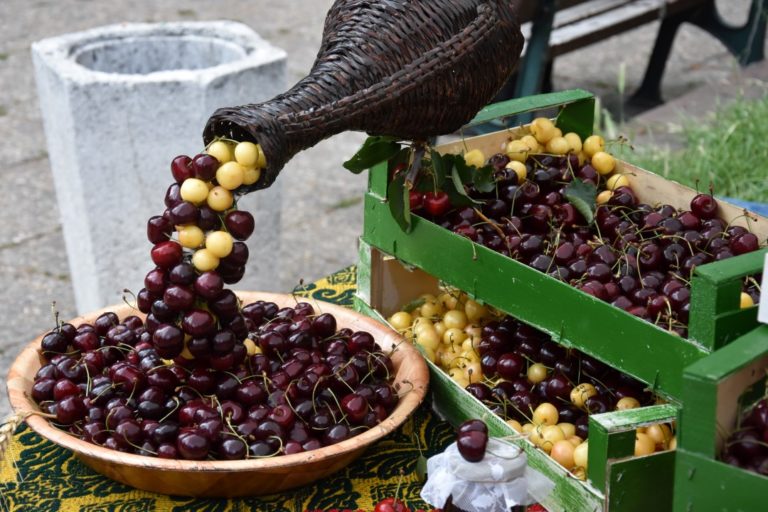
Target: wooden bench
point(555, 27)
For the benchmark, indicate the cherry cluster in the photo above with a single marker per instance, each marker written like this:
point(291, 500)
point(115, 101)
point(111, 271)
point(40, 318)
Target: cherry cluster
point(636, 256)
point(524, 368)
point(204, 376)
point(189, 312)
point(306, 385)
point(747, 447)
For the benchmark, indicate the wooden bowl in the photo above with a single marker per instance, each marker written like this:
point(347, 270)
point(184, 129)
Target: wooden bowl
point(231, 478)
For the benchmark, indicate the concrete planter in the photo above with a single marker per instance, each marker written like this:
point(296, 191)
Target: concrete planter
point(118, 103)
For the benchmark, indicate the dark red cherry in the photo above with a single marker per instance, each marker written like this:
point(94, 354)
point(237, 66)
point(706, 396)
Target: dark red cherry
point(509, 366)
point(704, 206)
point(437, 203)
point(472, 445)
point(204, 167)
point(240, 224)
point(193, 445)
point(166, 254)
point(744, 243)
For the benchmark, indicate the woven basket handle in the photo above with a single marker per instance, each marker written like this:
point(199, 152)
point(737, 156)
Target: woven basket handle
point(400, 83)
point(410, 82)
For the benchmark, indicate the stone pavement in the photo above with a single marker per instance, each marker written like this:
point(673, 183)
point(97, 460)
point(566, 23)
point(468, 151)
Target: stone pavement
point(322, 204)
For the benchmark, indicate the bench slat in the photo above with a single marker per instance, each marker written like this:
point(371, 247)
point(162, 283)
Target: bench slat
point(528, 9)
point(594, 20)
point(589, 10)
point(583, 10)
point(590, 30)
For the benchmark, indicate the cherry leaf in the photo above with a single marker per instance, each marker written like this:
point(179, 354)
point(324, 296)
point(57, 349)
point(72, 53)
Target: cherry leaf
point(582, 196)
point(466, 173)
point(425, 185)
point(411, 306)
point(399, 203)
point(421, 468)
point(375, 150)
point(400, 158)
point(483, 179)
point(456, 191)
point(439, 167)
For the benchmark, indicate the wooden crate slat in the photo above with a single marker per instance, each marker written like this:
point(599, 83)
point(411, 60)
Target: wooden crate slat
point(641, 483)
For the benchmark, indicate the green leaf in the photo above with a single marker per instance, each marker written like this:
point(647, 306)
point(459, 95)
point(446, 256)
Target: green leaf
point(406, 198)
point(437, 162)
point(458, 183)
point(401, 157)
point(446, 179)
point(457, 198)
point(399, 205)
point(421, 468)
point(456, 191)
point(374, 150)
point(466, 173)
point(411, 306)
point(578, 117)
point(582, 195)
point(425, 184)
point(439, 166)
point(483, 179)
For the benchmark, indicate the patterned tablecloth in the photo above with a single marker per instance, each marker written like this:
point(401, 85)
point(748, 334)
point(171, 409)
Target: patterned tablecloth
point(37, 475)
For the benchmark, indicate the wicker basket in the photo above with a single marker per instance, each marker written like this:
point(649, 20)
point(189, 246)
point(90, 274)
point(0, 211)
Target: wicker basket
point(409, 68)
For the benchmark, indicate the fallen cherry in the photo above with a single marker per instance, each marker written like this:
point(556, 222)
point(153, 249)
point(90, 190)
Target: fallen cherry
point(391, 505)
point(472, 440)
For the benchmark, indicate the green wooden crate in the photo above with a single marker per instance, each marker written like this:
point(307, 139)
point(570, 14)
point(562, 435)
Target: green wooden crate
point(572, 317)
point(617, 480)
point(713, 386)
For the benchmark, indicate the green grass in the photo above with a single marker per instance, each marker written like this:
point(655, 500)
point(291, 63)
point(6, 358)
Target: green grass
point(730, 151)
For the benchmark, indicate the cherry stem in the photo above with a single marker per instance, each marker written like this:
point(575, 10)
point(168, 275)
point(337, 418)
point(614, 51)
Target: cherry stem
point(520, 436)
point(135, 300)
point(293, 292)
point(399, 482)
point(279, 449)
point(492, 224)
point(55, 313)
point(602, 384)
point(417, 153)
point(38, 413)
point(178, 403)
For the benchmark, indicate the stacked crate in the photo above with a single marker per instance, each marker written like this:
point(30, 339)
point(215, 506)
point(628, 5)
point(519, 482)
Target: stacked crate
point(396, 266)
